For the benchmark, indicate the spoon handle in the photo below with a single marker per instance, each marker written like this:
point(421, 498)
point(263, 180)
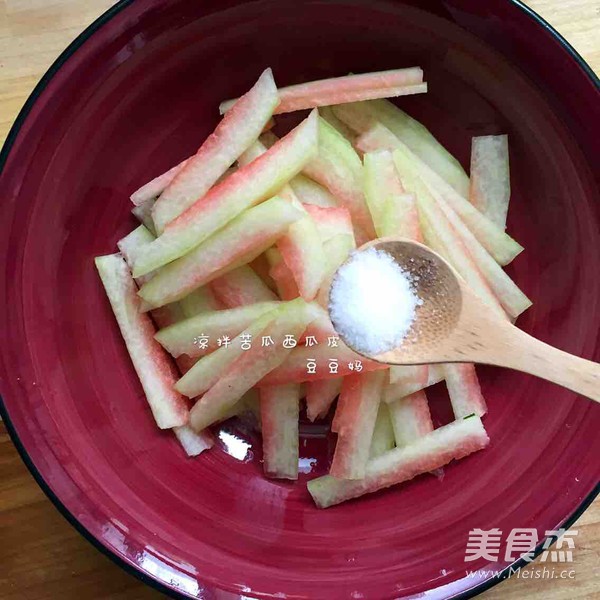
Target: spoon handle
point(513, 348)
point(481, 336)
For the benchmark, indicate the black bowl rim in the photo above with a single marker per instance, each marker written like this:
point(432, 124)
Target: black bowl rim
point(85, 533)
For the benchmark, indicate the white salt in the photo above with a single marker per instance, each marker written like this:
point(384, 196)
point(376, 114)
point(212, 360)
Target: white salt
point(372, 302)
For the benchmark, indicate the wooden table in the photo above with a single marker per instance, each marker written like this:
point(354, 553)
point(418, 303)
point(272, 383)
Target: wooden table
point(41, 556)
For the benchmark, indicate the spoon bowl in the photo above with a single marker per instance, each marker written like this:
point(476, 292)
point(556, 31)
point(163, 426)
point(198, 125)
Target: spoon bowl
point(454, 325)
point(438, 286)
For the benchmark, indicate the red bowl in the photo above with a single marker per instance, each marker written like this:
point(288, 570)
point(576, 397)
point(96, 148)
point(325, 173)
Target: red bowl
point(136, 93)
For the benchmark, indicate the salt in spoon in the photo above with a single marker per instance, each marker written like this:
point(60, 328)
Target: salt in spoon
point(453, 325)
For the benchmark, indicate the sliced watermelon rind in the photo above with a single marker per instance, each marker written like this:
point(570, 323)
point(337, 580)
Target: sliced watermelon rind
point(251, 366)
point(280, 412)
point(243, 189)
point(154, 368)
point(433, 451)
point(242, 240)
point(349, 88)
point(238, 129)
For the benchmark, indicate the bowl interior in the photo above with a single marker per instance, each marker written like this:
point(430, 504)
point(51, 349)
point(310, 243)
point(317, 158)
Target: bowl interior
point(139, 96)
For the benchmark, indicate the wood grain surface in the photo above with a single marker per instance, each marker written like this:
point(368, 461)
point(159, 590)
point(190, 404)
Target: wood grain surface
point(41, 555)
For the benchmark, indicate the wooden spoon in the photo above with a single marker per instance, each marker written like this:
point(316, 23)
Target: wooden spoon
point(454, 325)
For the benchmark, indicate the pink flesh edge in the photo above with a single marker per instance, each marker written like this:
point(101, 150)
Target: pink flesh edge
point(431, 452)
point(301, 246)
point(128, 246)
point(313, 330)
point(241, 287)
point(284, 280)
point(154, 188)
point(338, 168)
point(149, 192)
point(241, 240)
point(279, 414)
point(331, 221)
point(192, 442)
point(238, 129)
point(377, 138)
point(294, 262)
point(342, 89)
point(400, 210)
point(411, 418)
point(359, 403)
point(260, 265)
point(246, 187)
point(320, 395)
point(339, 97)
point(319, 195)
point(240, 178)
point(464, 390)
point(164, 317)
point(302, 251)
point(155, 370)
point(168, 315)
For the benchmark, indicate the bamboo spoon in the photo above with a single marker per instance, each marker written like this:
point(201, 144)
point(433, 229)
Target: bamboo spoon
point(454, 325)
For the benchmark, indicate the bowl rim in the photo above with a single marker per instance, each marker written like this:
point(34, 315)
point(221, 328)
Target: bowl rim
point(4, 415)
